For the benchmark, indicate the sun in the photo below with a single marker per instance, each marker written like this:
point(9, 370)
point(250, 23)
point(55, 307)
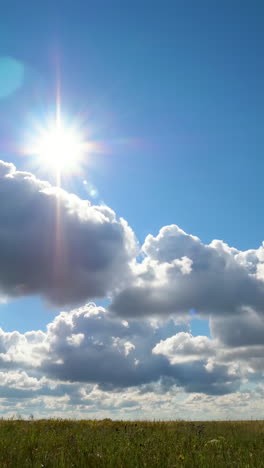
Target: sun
point(60, 145)
point(58, 148)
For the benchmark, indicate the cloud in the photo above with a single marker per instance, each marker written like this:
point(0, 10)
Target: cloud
point(245, 329)
point(81, 401)
point(184, 347)
point(140, 351)
point(89, 345)
point(55, 244)
point(179, 273)
point(90, 362)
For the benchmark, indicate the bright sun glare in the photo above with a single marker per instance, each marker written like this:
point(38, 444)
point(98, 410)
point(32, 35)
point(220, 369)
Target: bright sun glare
point(59, 145)
point(60, 148)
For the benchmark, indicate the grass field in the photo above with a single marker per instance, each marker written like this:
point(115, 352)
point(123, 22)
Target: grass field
point(65, 443)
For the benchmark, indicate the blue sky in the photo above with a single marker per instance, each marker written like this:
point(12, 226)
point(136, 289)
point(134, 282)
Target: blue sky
point(174, 91)
point(185, 80)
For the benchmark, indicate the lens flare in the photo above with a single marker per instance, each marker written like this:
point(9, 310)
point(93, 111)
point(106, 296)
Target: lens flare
point(60, 148)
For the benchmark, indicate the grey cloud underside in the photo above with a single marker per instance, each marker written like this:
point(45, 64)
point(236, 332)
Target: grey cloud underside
point(88, 345)
point(219, 280)
point(54, 244)
point(245, 329)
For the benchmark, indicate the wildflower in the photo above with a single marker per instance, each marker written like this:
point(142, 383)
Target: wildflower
point(181, 457)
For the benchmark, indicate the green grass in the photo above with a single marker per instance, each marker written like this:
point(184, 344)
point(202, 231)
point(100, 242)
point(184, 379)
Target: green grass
point(65, 443)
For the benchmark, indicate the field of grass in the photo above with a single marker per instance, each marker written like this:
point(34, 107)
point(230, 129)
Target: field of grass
point(65, 443)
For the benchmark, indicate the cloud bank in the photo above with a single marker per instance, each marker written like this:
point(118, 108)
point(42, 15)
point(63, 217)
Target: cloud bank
point(88, 360)
point(139, 352)
point(89, 345)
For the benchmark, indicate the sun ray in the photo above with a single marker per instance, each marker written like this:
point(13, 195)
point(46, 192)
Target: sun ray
point(60, 145)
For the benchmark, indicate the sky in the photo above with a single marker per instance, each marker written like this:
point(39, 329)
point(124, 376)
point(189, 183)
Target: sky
point(134, 288)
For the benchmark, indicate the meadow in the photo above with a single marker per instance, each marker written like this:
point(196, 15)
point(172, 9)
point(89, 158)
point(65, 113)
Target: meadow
point(87, 443)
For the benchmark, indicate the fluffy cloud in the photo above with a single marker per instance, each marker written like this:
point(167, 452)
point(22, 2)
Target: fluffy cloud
point(91, 346)
point(140, 351)
point(90, 362)
point(179, 273)
point(184, 347)
point(54, 244)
